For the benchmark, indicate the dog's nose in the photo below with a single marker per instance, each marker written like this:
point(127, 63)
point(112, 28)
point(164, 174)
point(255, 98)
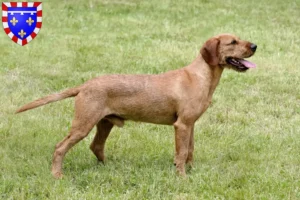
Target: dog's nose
point(253, 47)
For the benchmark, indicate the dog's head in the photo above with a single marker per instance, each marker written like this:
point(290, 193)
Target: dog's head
point(228, 51)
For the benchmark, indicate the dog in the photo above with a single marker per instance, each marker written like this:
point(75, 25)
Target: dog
point(178, 97)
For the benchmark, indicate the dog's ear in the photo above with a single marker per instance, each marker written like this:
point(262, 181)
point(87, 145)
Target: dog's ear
point(210, 51)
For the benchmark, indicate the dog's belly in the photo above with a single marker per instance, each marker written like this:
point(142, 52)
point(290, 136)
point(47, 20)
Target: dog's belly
point(151, 110)
point(166, 119)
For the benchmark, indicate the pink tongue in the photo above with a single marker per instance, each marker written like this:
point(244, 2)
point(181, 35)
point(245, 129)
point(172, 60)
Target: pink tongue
point(247, 63)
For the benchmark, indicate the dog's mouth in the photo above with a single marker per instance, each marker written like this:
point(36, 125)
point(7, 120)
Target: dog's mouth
point(240, 64)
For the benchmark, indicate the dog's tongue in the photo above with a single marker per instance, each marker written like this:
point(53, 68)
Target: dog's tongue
point(247, 63)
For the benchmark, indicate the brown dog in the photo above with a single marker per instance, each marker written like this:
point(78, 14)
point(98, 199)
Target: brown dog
point(177, 97)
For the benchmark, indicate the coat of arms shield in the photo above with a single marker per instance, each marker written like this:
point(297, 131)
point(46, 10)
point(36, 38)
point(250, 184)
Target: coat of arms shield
point(22, 20)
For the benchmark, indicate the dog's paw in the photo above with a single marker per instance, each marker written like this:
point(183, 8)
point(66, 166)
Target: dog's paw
point(57, 175)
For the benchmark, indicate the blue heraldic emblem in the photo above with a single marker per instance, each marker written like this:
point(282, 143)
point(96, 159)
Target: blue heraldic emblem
point(22, 21)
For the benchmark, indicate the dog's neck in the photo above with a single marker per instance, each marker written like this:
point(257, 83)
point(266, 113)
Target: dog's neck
point(206, 73)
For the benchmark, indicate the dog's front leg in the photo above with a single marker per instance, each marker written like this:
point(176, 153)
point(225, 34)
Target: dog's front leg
point(183, 131)
point(189, 160)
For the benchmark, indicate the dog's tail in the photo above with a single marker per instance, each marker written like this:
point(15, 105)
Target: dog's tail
point(50, 98)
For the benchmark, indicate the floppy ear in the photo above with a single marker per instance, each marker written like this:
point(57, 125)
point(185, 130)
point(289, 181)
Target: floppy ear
point(210, 51)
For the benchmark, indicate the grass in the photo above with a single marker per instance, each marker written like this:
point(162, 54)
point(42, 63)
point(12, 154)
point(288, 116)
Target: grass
point(246, 145)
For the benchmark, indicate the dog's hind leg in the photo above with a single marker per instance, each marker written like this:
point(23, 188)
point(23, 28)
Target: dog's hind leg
point(97, 146)
point(86, 117)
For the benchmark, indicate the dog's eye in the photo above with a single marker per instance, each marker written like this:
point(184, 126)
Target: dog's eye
point(233, 42)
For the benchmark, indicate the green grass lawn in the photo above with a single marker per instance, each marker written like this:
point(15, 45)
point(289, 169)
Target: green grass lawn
point(247, 145)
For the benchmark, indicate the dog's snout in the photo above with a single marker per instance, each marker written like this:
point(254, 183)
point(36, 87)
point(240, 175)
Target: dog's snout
point(253, 47)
